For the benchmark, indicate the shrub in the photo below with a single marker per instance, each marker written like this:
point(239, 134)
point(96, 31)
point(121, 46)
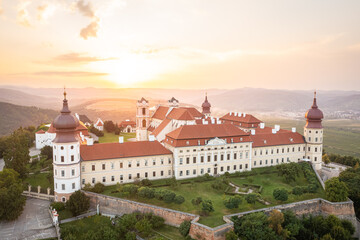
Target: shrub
point(156, 221)
point(146, 182)
point(196, 201)
point(207, 207)
point(185, 228)
point(280, 194)
point(297, 191)
point(179, 199)
point(231, 235)
point(130, 189)
point(232, 202)
point(130, 236)
point(219, 184)
point(144, 226)
point(146, 192)
point(98, 188)
point(78, 203)
point(59, 206)
point(251, 198)
point(169, 197)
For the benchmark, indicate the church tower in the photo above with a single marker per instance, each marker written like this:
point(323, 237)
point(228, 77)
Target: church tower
point(142, 119)
point(313, 133)
point(206, 107)
point(66, 154)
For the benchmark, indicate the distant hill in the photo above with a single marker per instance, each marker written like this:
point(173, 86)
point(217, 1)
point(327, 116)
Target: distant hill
point(14, 116)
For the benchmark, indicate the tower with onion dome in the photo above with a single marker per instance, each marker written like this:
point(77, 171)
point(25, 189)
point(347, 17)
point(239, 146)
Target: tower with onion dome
point(66, 154)
point(206, 107)
point(313, 134)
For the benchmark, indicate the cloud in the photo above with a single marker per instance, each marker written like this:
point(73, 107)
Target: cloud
point(75, 58)
point(23, 17)
point(45, 11)
point(86, 9)
point(91, 30)
point(70, 74)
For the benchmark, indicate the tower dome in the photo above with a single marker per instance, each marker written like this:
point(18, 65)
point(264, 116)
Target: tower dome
point(314, 116)
point(65, 125)
point(206, 106)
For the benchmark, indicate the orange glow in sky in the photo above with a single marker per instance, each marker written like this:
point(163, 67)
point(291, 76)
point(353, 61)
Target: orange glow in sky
point(180, 44)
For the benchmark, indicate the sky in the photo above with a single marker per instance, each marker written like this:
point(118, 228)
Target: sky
point(181, 44)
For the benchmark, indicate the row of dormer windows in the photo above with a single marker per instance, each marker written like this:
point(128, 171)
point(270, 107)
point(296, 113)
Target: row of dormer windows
point(221, 157)
point(277, 151)
point(214, 148)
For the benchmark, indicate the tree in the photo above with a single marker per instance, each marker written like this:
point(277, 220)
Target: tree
point(351, 177)
point(169, 196)
point(289, 171)
point(185, 228)
point(326, 159)
point(16, 154)
point(196, 201)
point(335, 190)
point(11, 201)
point(130, 236)
point(231, 235)
point(98, 188)
point(232, 202)
point(280, 194)
point(144, 226)
point(207, 207)
point(109, 126)
point(276, 219)
point(47, 151)
point(251, 198)
point(78, 203)
point(179, 199)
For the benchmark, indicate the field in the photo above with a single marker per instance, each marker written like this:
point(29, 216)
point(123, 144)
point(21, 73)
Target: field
point(266, 177)
point(341, 136)
point(112, 137)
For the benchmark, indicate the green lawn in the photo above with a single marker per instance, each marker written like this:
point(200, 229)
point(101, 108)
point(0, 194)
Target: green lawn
point(111, 137)
point(64, 214)
point(203, 189)
point(39, 179)
point(341, 136)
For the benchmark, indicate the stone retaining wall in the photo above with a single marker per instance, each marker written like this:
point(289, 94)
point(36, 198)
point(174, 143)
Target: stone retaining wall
point(318, 206)
point(119, 206)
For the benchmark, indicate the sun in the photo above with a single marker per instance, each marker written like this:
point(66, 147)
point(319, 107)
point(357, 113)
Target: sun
point(131, 69)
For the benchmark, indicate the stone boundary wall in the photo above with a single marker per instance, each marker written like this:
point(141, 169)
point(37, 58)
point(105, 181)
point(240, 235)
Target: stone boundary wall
point(318, 206)
point(119, 206)
point(318, 177)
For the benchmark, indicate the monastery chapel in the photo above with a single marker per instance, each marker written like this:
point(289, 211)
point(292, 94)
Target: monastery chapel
point(180, 142)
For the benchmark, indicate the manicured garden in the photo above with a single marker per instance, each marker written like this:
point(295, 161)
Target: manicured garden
point(112, 137)
point(265, 180)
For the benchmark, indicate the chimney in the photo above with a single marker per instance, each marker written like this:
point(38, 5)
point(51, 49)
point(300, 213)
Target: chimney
point(206, 122)
point(212, 120)
point(235, 114)
point(230, 113)
point(151, 138)
point(262, 125)
point(90, 141)
point(277, 127)
point(239, 114)
point(244, 114)
point(293, 129)
point(121, 139)
point(252, 131)
point(273, 130)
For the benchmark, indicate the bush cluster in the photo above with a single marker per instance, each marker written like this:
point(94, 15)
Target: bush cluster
point(280, 194)
point(58, 206)
point(220, 184)
point(96, 131)
point(147, 192)
point(310, 177)
point(97, 188)
point(233, 202)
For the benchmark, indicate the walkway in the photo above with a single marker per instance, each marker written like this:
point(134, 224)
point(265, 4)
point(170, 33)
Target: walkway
point(33, 223)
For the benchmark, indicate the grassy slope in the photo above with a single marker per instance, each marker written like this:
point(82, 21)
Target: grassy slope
point(204, 190)
point(38, 180)
point(111, 137)
point(340, 136)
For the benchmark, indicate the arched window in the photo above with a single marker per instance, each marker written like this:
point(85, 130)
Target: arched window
point(144, 111)
point(144, 123)
point(63, 199)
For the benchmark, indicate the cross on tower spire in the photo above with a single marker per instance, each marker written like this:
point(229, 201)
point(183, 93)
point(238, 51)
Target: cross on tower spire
point(64, 93)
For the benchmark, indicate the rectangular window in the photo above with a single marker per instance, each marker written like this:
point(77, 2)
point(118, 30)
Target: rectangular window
point(121, 165)
point(209, 170)
point(154, 162)
point(72, 172)
point(63, 186)
point(194, 172)
point(93, 180)
point(93, 167)
point(228, 168)
point(73, 185)
point(247, 154)
point(181, 173)
point(202, 159)
point(138, 163)
point(121, 177)
point(215, 157)
point(254, 163)
point(62, 173)
point(112, 178)
point(246, 166)
point(129, 164)
point(138, 175)
point(169, 172)
point(62, 159)
point(169, 160)
point(162, 173)
point(221, 157)
point(234, 155)
point(194, 159)
point(221, 169)
point(112, 165)
point(228, 156)
point(103, 166)
point(234, 167)
point(187, 160)
point(154, 174)
point(83, 181)
point(104, 179)
point(240, 166)
point(83, 168)
point(209, 158)
point(187, 172)
point(146, 174)
point(129, 176)
point(181, 161)
point(202, 171)
point(72, 158)
point(162, 161)
point(241, 155)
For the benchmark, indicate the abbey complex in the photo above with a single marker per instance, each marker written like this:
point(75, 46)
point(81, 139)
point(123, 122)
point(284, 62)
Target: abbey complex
point(179, 142)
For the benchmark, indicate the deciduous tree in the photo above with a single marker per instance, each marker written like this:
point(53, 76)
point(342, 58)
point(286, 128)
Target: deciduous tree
point(335, 190)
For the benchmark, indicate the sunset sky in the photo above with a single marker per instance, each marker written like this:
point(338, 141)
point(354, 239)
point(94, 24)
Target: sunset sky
point(287, 44)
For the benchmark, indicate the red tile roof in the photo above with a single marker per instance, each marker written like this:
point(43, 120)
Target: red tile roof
point(160, 112)
point(127, 123)
point(194, 112)
point(51, 129)
point(265, 137)
point(40, 132)
point(247, 119)
point(122, 150)
point(206, 131)
point(180, 114)
point(151, 128)
point(99, 123)
point(162, 125)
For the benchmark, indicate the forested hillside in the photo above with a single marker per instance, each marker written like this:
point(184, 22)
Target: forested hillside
point(14, 116)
